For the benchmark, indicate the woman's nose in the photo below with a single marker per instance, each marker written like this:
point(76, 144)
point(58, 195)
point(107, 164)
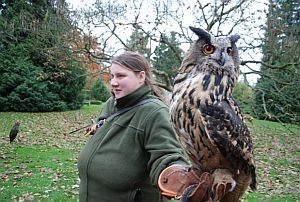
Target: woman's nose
point(113, 82)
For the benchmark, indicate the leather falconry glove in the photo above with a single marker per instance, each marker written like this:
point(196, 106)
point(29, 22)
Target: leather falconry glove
point(185, 183)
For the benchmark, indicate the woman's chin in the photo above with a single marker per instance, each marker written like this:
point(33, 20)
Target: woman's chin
point(118, 95)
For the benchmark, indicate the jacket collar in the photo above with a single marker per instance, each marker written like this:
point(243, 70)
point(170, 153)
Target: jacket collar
point(134, 97)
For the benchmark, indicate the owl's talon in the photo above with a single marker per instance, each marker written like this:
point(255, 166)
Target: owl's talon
point(218, 191)
point(233, 185)
point(222, 183)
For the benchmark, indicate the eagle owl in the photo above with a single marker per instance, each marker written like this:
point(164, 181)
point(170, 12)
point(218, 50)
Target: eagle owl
point(207, 120)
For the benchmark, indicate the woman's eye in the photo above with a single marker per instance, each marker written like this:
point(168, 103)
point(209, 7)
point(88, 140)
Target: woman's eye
point(208, 49)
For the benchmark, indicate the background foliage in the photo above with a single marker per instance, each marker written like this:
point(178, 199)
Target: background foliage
point(277, 93)
point(168, 55)
point(100, 91)
point(38, 72)
point(48, 48)
point(244, 96)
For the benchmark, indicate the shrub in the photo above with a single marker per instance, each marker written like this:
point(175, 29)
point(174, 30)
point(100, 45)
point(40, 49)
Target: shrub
point(243, 94)
point(100, 91)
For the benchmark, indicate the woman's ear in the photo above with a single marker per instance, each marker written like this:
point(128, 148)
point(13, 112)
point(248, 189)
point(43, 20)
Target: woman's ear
point(142, 76)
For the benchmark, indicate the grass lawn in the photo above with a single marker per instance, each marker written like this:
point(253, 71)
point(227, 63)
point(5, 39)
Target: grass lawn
point(42, 165)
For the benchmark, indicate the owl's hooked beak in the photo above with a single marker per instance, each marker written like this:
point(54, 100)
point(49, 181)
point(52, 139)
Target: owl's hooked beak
point(221, 61)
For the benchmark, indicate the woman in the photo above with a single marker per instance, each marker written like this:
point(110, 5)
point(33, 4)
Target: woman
point(135, 150)
point(123, 159)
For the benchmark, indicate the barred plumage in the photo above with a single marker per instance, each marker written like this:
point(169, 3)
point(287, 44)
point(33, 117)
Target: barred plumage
point(207, 120)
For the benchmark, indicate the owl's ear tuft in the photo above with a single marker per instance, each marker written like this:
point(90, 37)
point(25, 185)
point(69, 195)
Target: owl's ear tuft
point(234, 38)
point(201, 33)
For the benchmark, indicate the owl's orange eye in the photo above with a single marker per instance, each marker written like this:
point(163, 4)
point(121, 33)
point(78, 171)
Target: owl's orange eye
point(229, 51)
point(208, 49)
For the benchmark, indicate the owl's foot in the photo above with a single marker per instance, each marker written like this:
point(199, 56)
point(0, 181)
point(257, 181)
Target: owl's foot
point(223, 182)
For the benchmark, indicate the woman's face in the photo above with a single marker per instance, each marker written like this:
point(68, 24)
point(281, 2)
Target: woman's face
point(124, 81)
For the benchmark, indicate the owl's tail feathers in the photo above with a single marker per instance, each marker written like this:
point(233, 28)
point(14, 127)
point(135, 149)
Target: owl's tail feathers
point(253, 178)
point(223, 183)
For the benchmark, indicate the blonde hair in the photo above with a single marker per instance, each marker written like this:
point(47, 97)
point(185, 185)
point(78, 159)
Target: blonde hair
point(137, 63)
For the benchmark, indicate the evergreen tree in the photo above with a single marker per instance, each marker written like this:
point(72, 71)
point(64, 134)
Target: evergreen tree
point(37, 72)
point(138, 42)
point(168, 55)
point(100, 91)
point(277, 94)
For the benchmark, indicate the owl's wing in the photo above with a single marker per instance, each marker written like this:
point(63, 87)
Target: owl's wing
point(225, 127)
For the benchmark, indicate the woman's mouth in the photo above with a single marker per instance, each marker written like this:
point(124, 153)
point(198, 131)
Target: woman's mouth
point(117, 90)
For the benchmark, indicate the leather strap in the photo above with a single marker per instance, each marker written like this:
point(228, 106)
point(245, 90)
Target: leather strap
point(124, 110)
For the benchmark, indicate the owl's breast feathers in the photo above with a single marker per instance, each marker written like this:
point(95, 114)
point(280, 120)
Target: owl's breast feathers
point(209, 124)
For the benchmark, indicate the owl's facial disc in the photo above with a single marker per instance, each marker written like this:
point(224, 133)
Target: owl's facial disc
point(222, 51)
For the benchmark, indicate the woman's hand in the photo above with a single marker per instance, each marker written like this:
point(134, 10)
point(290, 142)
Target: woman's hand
point(91, 130)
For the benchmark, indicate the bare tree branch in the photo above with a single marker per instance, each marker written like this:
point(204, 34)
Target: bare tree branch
point(268, 65)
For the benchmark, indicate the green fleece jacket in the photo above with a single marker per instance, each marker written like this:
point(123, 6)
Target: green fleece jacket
point(122, 161)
